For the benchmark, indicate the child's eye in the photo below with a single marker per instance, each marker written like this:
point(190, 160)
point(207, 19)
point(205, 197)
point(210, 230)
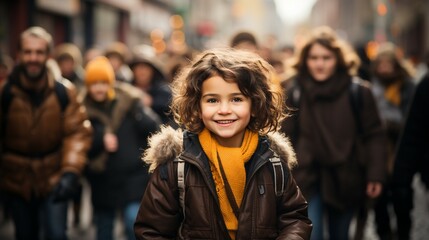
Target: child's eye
point(237, 99)
point(211, 100)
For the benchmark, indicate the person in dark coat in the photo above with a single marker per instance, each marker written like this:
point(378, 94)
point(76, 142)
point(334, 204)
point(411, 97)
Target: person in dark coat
point(412, 156)
point(6, 66)
point(393, 88)
point(338, 135)
point(149, 76)
point(118, 55)
point(121, 126)
point(231, 154)
point(69, 59)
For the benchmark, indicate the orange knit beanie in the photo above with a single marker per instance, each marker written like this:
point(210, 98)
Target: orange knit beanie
point(100, 70)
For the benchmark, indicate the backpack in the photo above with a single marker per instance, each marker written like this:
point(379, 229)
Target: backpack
point(278, 175)
point(7, 96)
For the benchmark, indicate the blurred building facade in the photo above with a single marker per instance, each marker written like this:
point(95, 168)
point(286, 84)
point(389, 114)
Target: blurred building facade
point(213, 22)
point(410, 25)
point(87, 23)
point(404, 22)
point(173, 24)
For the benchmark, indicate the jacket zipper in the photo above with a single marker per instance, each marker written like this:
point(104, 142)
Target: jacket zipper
point(258, 166)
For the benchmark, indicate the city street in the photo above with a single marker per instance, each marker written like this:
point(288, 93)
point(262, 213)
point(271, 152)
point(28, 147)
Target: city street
point(86, 230)
point(90, 84)
point(420, 229)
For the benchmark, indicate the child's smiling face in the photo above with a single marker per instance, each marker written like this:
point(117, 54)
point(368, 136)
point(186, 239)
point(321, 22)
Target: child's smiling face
point(225, 111)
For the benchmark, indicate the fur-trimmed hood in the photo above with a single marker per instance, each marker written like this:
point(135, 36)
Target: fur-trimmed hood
point(126, 96)
point(167, 144)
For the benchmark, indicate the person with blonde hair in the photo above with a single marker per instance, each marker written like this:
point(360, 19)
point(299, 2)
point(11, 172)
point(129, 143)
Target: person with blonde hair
point(337, 133)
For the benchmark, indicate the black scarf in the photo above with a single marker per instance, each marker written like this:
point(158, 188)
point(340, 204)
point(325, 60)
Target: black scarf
point(322, 110)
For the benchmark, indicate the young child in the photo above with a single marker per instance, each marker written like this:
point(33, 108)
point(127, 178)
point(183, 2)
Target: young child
point(121, 125)
point(230, 114)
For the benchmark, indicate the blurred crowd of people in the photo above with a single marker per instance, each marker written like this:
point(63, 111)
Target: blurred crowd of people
point(357, 123)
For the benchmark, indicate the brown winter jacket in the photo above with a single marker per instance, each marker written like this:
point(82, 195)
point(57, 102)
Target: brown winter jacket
point(42, 142)
point(262, 214)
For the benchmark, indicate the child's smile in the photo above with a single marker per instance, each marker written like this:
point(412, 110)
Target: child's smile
point(225, 111)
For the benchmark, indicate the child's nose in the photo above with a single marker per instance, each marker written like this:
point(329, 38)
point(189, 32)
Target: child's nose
point(224, 108)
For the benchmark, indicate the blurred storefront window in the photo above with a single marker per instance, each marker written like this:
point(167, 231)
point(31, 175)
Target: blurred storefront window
point(106, 19)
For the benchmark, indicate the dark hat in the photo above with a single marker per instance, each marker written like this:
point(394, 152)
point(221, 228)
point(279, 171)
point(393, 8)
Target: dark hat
point(146, 54)
point(118, 49)
point(243, 36)
point(68, 50)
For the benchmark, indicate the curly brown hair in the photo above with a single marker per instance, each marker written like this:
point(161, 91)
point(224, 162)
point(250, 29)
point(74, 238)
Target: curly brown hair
point(253, 76)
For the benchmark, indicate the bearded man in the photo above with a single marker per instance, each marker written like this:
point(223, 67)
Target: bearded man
point(44, 138)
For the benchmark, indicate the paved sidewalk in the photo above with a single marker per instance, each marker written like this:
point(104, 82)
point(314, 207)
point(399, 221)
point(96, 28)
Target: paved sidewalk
point(86, 230)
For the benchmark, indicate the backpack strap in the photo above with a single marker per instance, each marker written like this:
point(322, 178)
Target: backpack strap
point(295, 93)
point(6, 99)
point(279, 175)
point(181, 182)
point(61, 93)
point(356, 102)
point(181, 187)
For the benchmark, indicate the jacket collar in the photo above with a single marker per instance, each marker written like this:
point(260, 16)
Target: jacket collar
point(168, 144)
